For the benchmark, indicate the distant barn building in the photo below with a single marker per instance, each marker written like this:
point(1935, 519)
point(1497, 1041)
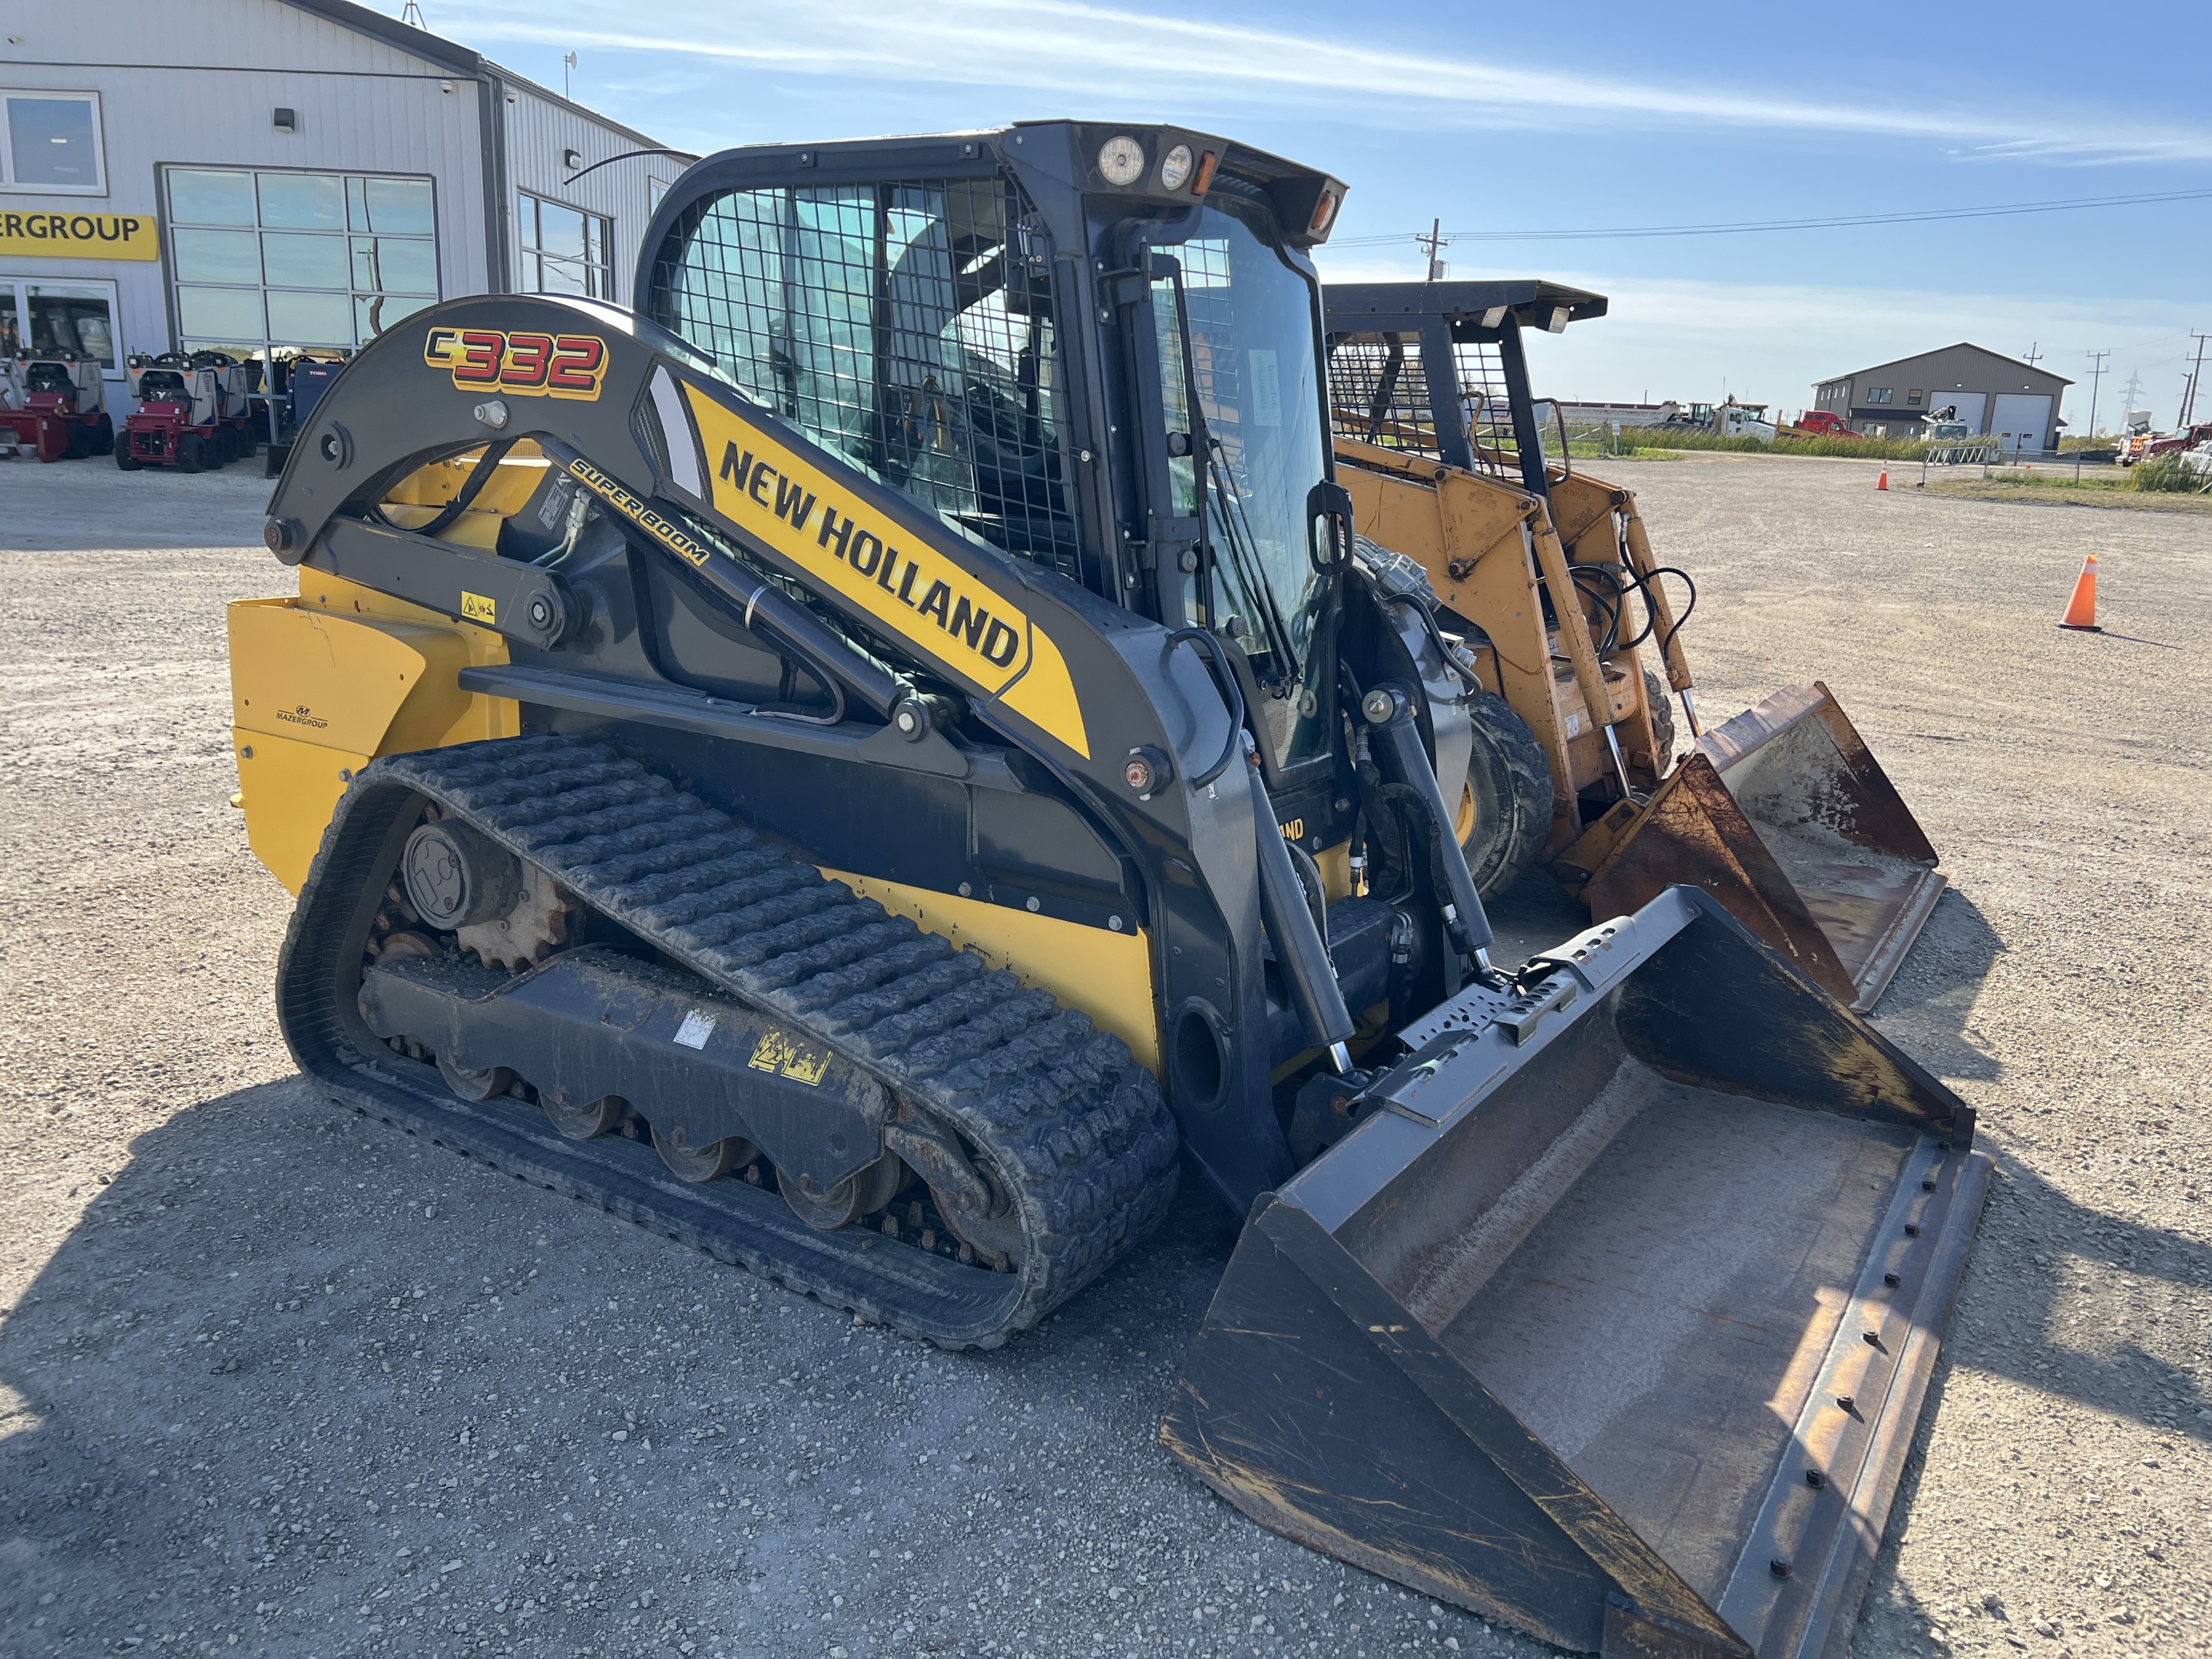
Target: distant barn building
point(2002, 396)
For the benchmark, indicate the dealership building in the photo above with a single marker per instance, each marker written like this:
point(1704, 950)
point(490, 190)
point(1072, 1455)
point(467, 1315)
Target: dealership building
point(1990, 394)
point(262, 176)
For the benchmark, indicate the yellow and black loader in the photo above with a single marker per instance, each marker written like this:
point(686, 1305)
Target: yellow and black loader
point(873, 763)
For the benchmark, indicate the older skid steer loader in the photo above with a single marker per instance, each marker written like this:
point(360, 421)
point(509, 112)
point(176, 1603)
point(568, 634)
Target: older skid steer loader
point(855, 768)
point(1781, 813)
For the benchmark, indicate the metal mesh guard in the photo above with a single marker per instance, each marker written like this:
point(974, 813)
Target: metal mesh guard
point(1379, 394)
point(906, 326)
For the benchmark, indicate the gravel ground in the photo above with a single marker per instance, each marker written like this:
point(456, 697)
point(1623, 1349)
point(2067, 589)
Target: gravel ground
point(276, 1379)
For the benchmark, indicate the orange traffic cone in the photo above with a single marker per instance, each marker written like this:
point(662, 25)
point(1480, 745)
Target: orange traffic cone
point(1882, 483)
point(2082, 610)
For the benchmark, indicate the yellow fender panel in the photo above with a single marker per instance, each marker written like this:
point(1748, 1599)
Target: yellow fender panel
point(1107, 975)
point(318, 692)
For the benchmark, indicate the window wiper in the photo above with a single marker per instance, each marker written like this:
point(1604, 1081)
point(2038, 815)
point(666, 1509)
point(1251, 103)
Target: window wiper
point(1244, 554)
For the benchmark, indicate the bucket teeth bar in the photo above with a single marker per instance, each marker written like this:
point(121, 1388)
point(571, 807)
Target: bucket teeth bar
point(1073, 1129)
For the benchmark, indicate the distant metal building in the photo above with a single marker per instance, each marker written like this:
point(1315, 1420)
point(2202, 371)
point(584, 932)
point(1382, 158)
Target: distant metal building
point(267, 175)
point(2002, 396)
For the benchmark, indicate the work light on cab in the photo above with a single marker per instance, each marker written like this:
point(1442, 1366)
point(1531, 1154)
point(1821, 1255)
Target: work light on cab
point(1121, 160)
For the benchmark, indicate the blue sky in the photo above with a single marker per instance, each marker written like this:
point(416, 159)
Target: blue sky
point(1548, 118)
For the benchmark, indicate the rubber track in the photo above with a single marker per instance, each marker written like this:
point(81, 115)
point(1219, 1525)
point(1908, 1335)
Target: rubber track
point(1075, 1123)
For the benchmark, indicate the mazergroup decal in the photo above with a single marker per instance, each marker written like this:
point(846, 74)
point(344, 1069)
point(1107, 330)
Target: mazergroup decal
point(918, 592)
point(78, 236)
point(571, 365)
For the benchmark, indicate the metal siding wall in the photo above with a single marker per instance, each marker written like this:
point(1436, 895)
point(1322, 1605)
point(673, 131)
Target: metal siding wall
point(538, 130)
point(196, 84)
point(172, 91)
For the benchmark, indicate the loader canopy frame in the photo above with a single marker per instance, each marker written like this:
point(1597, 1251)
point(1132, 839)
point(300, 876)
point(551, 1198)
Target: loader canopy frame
point(1463, 397)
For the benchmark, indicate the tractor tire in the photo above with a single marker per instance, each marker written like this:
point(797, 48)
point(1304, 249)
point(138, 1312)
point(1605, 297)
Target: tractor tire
point(103, 438)
point(124, 460)
point(192, 454)
point(1661, 700)
point(1506, 808)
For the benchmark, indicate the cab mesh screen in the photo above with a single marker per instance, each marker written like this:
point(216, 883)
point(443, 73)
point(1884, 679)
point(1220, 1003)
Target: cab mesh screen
point(906, 326)
point(1378, 392)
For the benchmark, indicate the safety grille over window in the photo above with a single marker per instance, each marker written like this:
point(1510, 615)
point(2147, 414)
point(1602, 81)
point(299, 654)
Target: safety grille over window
point(1379, 394)
point(908, 326)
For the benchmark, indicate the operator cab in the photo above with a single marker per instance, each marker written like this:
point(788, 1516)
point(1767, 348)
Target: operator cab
point(1095, 348)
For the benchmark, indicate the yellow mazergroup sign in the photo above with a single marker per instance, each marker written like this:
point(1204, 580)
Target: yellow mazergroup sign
point(46, 234)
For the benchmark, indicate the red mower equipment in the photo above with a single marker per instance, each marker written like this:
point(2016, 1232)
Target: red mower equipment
point(52, 404)
point(179, 419)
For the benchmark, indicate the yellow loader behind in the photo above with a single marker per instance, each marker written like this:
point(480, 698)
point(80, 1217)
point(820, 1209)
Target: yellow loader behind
point(1782, 812)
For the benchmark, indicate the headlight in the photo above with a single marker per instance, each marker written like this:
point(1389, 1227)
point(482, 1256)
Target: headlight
point(1121, 160)
point(1176, 168)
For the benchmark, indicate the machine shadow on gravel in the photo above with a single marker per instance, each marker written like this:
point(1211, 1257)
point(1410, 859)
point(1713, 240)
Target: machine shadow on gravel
point(1930, 1005)
point(183, 1323)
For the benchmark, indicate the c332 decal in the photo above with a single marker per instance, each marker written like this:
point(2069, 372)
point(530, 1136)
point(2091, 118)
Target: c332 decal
point(916, 591)
point(526, 365)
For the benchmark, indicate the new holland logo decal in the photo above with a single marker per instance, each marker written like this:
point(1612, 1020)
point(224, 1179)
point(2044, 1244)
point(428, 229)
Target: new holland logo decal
point(905, 580)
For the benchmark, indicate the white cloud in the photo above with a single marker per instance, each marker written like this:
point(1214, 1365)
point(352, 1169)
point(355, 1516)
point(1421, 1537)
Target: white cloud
point(1095, 52)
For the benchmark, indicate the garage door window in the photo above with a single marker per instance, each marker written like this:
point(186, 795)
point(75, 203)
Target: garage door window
point(52, 144)
point(271, 258)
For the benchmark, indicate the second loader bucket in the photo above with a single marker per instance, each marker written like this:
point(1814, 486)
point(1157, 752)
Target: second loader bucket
point(1613, 1316)
point(1784, 815)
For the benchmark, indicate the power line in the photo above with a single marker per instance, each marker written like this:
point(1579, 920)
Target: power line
point(1836, 222)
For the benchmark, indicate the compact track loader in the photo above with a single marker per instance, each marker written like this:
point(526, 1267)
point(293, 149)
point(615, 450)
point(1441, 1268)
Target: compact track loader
point(1782, 812)
point(873, 763)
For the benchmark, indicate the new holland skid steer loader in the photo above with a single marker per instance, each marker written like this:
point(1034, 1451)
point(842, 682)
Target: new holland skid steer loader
point(1781, 813)
point(869, 764)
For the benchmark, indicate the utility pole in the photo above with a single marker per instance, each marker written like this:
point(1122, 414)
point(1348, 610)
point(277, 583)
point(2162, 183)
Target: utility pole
point(2031, 354)
point(2096, 375)
point(1434, 242)
point(412, 13)
point(2196, 379)
point(568, 68)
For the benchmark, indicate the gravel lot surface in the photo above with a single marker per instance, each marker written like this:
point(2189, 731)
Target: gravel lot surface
point(274, 1379)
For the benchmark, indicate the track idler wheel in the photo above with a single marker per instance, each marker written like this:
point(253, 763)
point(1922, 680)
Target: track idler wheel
point(854, 1196)
point(588, 1123)
point(479, 1086)
point(696, 1164)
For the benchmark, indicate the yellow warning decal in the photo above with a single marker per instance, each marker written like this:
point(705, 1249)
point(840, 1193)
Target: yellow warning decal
point(915, 591)
point(777, 1053)
point(477, 608)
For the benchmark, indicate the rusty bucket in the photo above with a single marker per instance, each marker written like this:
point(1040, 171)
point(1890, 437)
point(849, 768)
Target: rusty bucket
point(1786, 817)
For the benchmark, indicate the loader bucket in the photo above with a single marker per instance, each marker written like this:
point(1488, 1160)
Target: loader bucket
point(1784, 815)
point(1613, 1318)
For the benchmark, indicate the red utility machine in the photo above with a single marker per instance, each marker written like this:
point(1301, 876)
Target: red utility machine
point(52, 403)
point(178, 422)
